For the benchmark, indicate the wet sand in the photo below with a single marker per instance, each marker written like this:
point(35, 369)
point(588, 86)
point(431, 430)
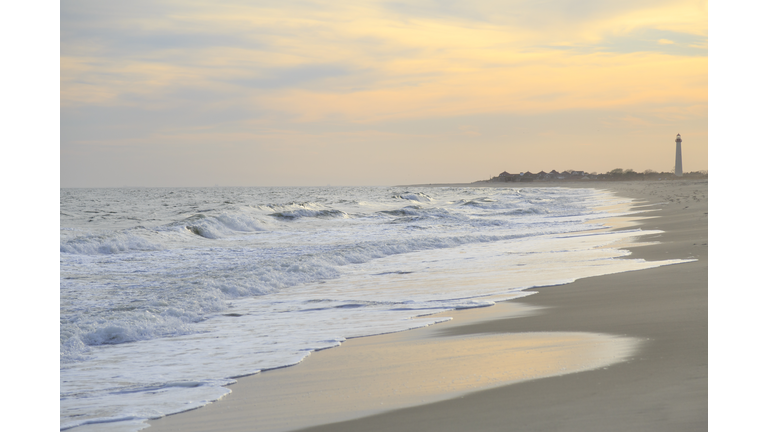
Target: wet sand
point(659, 314)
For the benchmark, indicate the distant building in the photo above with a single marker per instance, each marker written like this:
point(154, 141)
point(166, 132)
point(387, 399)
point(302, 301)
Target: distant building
point(506, 177)
point(527, 176)
point(679, 156)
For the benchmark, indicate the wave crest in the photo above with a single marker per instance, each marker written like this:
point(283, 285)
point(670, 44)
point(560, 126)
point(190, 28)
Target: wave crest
point(108, 244)
point(413, 196)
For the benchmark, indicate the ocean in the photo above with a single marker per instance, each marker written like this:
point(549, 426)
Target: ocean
point(167, 295)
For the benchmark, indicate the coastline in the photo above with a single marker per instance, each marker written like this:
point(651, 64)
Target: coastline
point(663, 386)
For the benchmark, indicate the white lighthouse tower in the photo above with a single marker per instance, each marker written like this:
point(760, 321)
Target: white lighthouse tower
point(679, 156)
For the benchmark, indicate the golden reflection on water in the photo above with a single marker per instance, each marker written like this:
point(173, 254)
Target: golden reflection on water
point(369, 377)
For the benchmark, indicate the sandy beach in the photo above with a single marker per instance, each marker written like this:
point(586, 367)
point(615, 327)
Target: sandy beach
point(625, 352)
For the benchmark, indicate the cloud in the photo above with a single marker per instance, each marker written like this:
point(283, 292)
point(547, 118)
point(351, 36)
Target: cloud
point(296, 77)
point(660, 41)
point(301, 73)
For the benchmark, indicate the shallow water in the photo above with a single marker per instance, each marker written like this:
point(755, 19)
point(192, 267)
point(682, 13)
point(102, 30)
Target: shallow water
point(167, 294)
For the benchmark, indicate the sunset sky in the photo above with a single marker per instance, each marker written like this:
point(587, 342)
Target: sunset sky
point(291, 93)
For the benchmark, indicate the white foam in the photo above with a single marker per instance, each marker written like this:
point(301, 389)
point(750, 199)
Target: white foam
point(252, 290)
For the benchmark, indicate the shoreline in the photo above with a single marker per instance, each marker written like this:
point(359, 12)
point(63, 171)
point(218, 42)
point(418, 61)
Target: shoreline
point(651, 305)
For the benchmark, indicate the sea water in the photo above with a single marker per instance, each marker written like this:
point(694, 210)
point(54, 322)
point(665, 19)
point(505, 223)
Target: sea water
point(169, 294)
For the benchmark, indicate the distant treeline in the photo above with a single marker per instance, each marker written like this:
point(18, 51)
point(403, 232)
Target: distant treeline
point(617, 174)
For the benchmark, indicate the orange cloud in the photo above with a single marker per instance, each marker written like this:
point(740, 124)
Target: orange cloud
point(279, 73)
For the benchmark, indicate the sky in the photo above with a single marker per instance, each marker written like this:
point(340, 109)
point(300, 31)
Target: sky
point(305, 93)
point(194, 94)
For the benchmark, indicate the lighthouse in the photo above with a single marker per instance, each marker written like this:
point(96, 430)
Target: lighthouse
point(679, 156)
